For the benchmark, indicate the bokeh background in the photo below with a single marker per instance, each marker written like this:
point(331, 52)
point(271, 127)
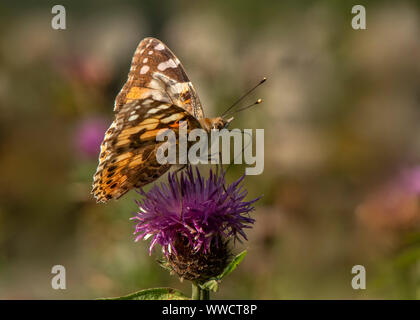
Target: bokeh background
point(341, 115)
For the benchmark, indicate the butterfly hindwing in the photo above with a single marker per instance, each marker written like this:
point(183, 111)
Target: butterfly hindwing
point(128, 152)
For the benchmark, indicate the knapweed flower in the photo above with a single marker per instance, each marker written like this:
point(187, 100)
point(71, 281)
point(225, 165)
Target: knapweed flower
point(394, 205)
point(88, 136)
point(193, 219)
point(88, 70)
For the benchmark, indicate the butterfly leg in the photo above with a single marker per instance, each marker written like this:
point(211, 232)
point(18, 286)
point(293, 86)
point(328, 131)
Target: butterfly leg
point(184, 166)
point(180, 187)
point(219, 164)
point(210, 159)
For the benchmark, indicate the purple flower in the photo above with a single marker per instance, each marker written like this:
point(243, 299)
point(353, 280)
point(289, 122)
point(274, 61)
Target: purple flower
point(395, 204)
point(88, 136)
point(410, 180)
point(197, 212)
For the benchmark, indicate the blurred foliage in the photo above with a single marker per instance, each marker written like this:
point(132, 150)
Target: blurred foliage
point(340, 113)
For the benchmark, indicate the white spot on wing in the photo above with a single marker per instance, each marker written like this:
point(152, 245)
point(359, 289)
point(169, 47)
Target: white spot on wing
point(161, 107)
point(152, 111)
point(171, 118)
point(134, 117)
point(159, 47)
point(145, 60)
point(150, 52)
point(154, 84)
point(167, 64)
point(144, 69)
point(179, 87)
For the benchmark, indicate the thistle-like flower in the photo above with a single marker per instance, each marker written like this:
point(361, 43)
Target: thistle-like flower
point(193, 219)
point(88, 136)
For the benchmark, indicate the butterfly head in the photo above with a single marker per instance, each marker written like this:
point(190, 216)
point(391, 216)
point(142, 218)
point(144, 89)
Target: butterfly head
point(215, 123)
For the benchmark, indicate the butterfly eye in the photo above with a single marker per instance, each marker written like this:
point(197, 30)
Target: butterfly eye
point(218, 124)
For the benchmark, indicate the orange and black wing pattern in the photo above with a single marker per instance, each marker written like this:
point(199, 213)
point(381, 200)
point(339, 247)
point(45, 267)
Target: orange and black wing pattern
point(128, 153)
point(157, 95)
point(156, 73)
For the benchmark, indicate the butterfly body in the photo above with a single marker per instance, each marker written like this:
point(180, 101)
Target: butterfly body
point(158, 95)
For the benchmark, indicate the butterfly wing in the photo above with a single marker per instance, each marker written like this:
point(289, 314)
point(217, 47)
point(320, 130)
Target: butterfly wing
point(157, 95)
point(128, 152)
point(156, 73)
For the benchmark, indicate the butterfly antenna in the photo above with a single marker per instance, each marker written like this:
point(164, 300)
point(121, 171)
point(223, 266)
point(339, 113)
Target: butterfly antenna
point(246, 107)
point(243, 96)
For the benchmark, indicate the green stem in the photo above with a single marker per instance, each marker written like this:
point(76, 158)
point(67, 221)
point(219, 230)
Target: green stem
point(205, 294)
point(196, 292)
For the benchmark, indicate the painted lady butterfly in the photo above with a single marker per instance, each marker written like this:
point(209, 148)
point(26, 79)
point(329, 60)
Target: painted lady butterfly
point(157, 95)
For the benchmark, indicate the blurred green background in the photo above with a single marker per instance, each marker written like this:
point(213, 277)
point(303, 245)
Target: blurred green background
point(341, 116)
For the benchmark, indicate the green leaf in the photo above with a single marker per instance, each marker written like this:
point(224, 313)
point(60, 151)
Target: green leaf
point(212, 285)
point(232, 266)
point(153, 294)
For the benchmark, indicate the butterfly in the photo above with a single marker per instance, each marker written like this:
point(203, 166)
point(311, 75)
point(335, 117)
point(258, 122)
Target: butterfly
point(158, 95)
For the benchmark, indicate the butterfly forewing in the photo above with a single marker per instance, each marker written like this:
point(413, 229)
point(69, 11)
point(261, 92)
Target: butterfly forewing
point(157, 73)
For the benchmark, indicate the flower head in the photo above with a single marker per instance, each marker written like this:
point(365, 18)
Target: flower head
point(197, 210)
point(395, 204)
point(88, 136)
point(193, 218)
